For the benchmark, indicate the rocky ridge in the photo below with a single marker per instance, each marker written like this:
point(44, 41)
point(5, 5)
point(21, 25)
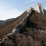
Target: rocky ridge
point(28, 24)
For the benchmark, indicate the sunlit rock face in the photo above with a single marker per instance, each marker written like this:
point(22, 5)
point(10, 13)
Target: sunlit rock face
point(39, 8)
point(29, 9)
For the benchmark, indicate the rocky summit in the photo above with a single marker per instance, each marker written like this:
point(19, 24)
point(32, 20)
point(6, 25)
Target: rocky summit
point(39, 8)
point(29, 29)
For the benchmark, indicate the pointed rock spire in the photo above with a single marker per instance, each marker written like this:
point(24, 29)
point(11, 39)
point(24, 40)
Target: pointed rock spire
point(39, 8)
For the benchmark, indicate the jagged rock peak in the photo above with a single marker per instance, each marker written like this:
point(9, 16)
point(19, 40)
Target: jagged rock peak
point(29, 9)
point(39, 8)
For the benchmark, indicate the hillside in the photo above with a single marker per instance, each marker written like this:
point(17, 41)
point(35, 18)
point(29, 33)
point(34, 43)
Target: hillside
point(29, 29)
point(33, 34)
point(8, 26)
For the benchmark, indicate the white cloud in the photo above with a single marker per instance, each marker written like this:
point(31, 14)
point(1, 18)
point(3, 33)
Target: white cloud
point(7, 12)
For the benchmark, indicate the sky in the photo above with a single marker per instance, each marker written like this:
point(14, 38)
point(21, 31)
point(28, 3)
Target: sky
point(14, 8)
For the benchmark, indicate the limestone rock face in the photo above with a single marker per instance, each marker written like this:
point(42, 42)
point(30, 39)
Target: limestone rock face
point(39, 8)
point(29, 9)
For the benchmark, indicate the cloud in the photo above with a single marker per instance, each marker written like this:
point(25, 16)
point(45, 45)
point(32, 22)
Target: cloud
point(7, 11)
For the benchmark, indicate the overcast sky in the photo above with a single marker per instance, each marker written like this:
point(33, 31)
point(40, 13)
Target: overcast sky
point(13, 8)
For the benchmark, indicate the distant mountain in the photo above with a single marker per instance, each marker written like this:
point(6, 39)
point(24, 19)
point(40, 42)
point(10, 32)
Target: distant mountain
point(44, 11)
point(29, 29)
point(1, 21)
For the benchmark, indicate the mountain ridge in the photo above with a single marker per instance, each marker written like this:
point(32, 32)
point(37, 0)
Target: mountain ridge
point(29, 21)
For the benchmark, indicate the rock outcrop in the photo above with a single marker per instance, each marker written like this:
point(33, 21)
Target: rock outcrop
point(39, 8)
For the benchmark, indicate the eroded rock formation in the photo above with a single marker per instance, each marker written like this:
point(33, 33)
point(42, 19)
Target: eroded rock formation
point(39, 8)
